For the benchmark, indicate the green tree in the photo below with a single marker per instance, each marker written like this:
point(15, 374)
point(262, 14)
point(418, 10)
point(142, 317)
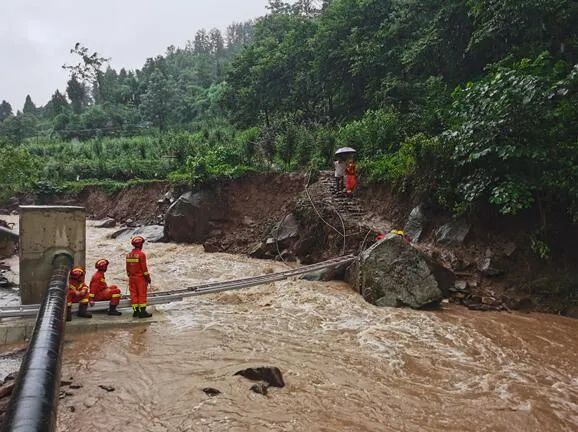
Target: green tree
point(58, 104)
point(513, 139)
point(5, 110)
point(78, 95)
point(158, 100)
point(29, 107)
point(16, 128)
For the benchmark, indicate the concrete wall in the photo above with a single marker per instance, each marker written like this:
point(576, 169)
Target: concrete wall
point(44, 231)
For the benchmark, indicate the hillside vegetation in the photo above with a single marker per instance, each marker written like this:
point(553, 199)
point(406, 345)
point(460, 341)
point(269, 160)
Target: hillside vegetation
point(468, 104)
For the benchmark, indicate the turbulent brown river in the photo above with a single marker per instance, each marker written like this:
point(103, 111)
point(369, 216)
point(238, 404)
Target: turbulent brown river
point(348, 366)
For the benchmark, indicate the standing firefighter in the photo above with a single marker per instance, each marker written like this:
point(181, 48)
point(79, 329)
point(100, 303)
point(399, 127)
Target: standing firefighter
point(77, 293)
point(100, 291)
point(138, 278)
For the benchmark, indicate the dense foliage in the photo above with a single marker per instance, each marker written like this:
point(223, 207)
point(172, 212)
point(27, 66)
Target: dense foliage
point(471, 103)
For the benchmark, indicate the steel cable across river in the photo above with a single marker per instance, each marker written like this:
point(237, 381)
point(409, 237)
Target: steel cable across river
point(348, 366)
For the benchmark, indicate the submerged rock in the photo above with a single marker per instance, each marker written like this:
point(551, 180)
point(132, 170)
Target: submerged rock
point(106, 223)
point(5, 283)
point(107, 388)
point(151, 233)
point(271, 375)
point(260, 389)
point(393, 273)
point(327, 274)
point(211, 392)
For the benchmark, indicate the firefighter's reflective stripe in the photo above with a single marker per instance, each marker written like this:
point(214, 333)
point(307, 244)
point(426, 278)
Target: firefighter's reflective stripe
point(116, 295)
point(132, 260)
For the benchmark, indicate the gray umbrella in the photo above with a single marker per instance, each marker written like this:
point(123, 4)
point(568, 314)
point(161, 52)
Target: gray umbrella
point(345, 150)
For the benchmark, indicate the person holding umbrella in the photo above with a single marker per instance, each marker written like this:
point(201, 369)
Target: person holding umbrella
point(350, 169)
point(339, 173)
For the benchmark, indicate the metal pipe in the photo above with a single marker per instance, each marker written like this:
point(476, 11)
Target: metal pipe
point(34, 401)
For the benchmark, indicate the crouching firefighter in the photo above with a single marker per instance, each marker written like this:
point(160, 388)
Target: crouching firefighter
point(100, 291)
point(79, 293)
point(138, 278)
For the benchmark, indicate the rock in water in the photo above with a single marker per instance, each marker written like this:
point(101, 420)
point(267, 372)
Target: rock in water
point(107, 388)
point(8, 242)
point(416, 224)
point(271, 375)
point(106, 223)
point(189, 219)
point(260, 389)
point(453, 233)
point(151, 233)
point(393, 273)
point(211, 392)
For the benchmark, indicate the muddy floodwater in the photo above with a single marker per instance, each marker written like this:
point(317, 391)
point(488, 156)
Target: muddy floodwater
point(348, 366)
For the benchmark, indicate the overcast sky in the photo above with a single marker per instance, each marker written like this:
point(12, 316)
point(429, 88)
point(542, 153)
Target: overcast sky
point(36, 35)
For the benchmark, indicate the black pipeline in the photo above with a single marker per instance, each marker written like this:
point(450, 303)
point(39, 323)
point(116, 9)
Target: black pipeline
point(34, 401)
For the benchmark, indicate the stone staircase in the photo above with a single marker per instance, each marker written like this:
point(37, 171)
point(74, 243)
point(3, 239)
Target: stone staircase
point(348, 206)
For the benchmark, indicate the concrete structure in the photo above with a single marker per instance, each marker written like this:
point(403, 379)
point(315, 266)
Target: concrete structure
point(18, 330)
point(44, 232)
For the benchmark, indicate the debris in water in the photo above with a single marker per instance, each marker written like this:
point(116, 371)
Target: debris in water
point(212, 392)
point(64, 394)
point(271, 375)
point(107, 388)
point(260, 388)
point(75, 386)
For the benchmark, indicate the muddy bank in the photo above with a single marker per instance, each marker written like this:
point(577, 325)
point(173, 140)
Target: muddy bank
point(271, 216)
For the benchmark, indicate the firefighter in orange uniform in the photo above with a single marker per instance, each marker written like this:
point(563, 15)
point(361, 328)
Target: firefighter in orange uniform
point(100, 291)
point(77, 293)
point(138, 278)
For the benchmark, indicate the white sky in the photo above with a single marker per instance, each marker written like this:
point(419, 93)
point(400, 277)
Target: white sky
point(36, 35)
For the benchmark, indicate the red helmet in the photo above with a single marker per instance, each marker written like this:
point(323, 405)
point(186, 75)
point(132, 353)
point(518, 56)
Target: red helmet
point(77, 273)
point(137, 241)
point(101, 264)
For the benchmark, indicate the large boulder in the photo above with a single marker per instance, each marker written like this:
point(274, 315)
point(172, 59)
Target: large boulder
point(393, 273)
point(190, 218)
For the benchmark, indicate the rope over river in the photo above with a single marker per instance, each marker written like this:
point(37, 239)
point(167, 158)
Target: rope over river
point(347, 365)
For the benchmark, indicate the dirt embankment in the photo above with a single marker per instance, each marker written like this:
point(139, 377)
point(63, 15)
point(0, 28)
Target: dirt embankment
point(493, 262)
point(254, 204)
